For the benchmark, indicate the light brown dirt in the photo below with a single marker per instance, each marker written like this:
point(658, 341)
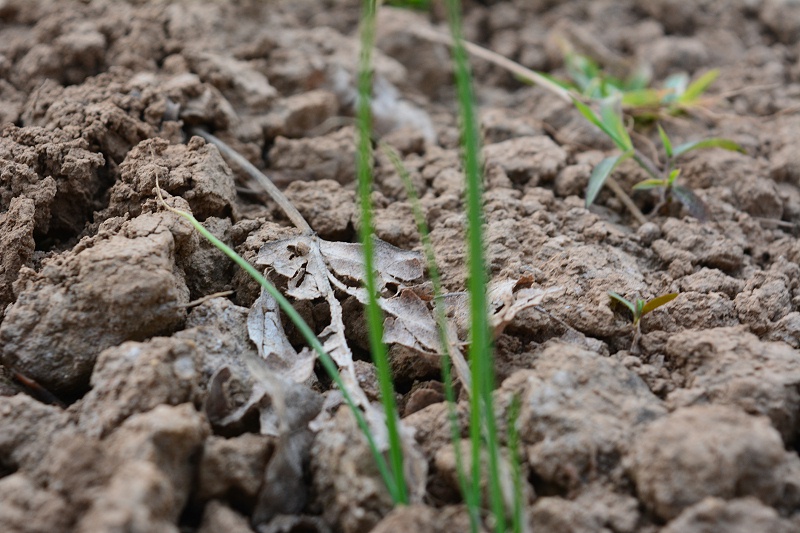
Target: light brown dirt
point(153, 411)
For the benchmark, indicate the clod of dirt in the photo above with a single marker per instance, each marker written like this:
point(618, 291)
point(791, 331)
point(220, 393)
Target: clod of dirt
point(712, 450)
point(587, 272)
point(94, 112)
point(149, 488)
point(238, 80)
point(557, 515)
point(218, 517)
point(218, 328)
point(424, 519)
point(298, 114)
point(346, 477)
point(330, 157)
point(527, 160)
point(782, 17)
point(326, 205)
point(16, 244)
point(55, 170)
point(446, 466)
point(233, 469)
point(705, 245)
point(27, 428)
point(765, 299)
point(136, 377)
point(579, 412)
point(28, 508)
point(114, 289)
point(733, 367)
point(194, 171)
point(742, 515)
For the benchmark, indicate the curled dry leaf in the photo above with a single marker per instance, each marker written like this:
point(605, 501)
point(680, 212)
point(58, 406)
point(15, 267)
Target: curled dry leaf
point(266, 331)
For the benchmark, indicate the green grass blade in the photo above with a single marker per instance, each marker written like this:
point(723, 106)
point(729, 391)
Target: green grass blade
point(592, 117)
point(480, 353)
point(698, 87)
point(649, 184)
point(611, 115)
point(516, 462)
point(665, 141)
point(725, 144)
point(419, 5)
point(589, 114)
point(601, 173)
point(627, 303)
point(473, 505)
point(373, 311)
point(657, 302)
point(642, 98)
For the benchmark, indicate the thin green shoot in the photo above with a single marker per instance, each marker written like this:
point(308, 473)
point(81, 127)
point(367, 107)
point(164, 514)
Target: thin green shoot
point(480, 350)
point(419, 5)
point(473, 504)
point(374, 314)
point(516, 462)
point(639, 308)
point(308, 334)
point(662, 176)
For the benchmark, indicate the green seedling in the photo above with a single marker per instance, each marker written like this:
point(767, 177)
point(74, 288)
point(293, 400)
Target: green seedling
point(639, 308)
point(676, 95)
point(663, 176)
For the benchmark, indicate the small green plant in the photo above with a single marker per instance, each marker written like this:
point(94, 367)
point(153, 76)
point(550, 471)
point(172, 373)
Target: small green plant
point(639, 308)
point(675, 96)
point(663, 176)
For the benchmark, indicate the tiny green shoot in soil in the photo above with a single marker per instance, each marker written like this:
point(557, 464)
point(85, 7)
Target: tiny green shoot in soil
point(639, 308)
point(663, 176)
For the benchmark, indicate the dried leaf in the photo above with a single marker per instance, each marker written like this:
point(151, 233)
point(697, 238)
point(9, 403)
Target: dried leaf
point(266, 331)
point(411, 323)
point(392, 265)
point(515, 299)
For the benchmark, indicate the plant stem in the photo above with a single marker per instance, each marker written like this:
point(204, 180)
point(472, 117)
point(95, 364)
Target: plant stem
point(480, 345)
point(448, 347)
point(373, 311)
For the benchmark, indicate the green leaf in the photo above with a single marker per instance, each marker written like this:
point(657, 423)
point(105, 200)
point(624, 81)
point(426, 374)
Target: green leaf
point(657, 302)
point(612, 132)
point(646, 185)
point(623, 301)
point(611, 115)
point(676, 86)
point(637, 315)
point(696, 207)
point(642, 98)
point(665, 141)
point(725, 144)
point(601, 173)
point(698, 87)
point(673, 176)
